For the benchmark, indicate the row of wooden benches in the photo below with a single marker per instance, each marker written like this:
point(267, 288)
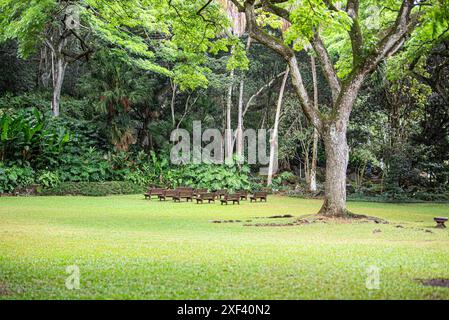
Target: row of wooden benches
point(201, 195)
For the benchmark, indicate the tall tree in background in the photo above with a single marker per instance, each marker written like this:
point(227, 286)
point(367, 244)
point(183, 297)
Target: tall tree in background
point(274, 134)
point(54, 25)
point(368, 47)
point(311, 170)
point(238, 26)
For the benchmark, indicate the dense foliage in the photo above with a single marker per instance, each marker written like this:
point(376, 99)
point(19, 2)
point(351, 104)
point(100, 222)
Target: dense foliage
point(147, 67)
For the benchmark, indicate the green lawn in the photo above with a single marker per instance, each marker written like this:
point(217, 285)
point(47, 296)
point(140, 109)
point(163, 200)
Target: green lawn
point(126, 247)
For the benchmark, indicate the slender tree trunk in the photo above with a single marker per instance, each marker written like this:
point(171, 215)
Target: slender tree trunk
point(239, 133)
point(60, 69)
point(307, 166)
point(274, 137)
point(228, 147)
point(336, 147)
point(312, 181)
point(172, 103)
point(312, 169)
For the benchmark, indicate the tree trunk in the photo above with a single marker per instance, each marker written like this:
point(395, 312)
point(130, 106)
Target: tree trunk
point(336, 147)
point(172, 103)
point(312, 175)
point(274, 137)
point(307, 166)
point(60, 68)
point(312, 169)
point(228, 131)
point(239, 133)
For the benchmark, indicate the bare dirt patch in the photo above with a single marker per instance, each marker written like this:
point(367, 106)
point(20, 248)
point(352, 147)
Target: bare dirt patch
point(307, 219)
point(350, 218)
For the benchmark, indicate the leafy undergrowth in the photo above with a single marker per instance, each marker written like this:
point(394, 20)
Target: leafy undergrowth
point(126, 247)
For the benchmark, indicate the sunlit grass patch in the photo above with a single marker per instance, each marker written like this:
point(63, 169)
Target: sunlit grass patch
point(126, 247)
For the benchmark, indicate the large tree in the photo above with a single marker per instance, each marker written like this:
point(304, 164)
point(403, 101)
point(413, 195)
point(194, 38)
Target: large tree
point(315, 22)
point(52, 25)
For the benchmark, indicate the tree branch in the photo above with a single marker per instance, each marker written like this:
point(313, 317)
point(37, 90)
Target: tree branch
point(280, 12)
point(261, 89)
point(288, 55)
point(391, 42)
point(355, 33)
point(327, 65)
point(387, 46)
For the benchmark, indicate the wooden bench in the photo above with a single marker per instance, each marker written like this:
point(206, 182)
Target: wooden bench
point(259, 195)
point(153, 192)
point(148, 193)
point(235, 198)
point(183, 194)
point(200, 191)
point(243, 194)
point(221, 193)
point(206, 196)
point(167, 194)
point(440, 222)
point(184, 189)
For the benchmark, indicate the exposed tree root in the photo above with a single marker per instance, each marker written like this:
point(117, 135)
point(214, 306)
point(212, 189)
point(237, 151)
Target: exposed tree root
point(348, 217)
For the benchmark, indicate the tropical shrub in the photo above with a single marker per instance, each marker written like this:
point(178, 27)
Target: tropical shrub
point(138, 178)
point(12, 178)
point(282, 180)
point(48, 179)
point(88, 165)
point(26, 138)
point(210, 176)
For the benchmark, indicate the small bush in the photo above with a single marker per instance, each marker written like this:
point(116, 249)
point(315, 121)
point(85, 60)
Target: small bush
point(428, 196)
point(48, 179)
point(138, 178)
point(12, 178)
point(213, 177)
point(94, 188)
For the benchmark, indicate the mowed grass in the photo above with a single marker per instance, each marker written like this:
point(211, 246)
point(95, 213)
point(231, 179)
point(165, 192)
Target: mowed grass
point(129, 248)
